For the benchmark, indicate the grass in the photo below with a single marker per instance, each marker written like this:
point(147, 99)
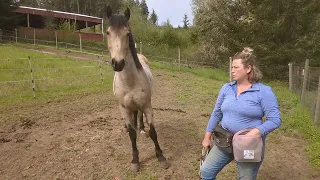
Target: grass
point(53, 76)
point(209, 73)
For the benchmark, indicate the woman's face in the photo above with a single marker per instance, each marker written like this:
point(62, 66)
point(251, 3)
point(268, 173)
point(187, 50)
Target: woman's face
point(239, 72)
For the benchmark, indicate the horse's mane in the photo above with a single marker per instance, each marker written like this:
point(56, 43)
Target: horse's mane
point(118, 21)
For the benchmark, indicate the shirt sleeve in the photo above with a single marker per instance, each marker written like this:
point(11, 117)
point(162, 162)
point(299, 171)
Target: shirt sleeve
point(271, 110)
point(216, 114)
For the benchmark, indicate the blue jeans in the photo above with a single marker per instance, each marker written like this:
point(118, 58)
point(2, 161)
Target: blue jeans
point(217, 159)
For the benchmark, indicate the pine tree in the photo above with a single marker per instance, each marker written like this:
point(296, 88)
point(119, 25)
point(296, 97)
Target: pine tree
point(153, 17)
point(185, 21)
point(8, 19)
point(144, 8)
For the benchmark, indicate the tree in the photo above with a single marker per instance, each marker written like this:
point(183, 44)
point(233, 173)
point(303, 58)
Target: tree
point(185, 21)
point(8, 19)
point(167, 23)
point(144, 8)
point(137, 3)
point(153, 17)
point(279, 31)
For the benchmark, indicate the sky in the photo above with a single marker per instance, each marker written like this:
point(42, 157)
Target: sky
point(173, 10)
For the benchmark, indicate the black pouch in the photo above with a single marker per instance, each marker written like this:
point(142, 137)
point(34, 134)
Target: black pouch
point(223, 139)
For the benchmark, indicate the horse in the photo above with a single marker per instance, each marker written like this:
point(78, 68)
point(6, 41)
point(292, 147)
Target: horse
point(132, 83)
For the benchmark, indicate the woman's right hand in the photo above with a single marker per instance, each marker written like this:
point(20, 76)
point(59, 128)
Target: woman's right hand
point(207, 141)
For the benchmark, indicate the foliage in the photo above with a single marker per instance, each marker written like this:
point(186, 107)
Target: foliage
point(153, 18)
point(185, 21)
point(279, 31)
point(8, 19)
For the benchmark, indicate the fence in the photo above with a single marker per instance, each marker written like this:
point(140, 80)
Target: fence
point(76, 42)
point(28, 77)
point(57, 39)
point(306, 82)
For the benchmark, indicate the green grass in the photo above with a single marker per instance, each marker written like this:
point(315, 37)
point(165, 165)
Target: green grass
point(209, 73)
point(54, 76)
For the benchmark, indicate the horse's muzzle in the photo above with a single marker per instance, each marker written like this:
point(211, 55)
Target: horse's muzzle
point(117, 65)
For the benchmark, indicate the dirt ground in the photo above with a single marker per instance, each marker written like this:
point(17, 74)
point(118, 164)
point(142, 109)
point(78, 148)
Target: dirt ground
point(82, 137)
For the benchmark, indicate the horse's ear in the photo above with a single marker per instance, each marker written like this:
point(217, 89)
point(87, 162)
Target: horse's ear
point(127, 13)
point(109, 12)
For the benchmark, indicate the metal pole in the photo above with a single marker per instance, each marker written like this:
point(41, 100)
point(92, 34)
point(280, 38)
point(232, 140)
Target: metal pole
point(101, 72)
point(32, 80)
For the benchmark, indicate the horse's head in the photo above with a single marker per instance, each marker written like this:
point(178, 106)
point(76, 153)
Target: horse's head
point(118, 34)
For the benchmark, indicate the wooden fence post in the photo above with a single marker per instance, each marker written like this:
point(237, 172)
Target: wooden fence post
point(305, 78)
point(16, 31)
point(140, 47)
point(230, 69)
point(56, 34)
point(34, 36)
point(317, 111)
point(290, 77)
point(80, 42)
point(179, 56)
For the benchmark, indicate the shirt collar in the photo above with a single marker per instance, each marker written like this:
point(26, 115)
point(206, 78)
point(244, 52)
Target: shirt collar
point(255, 86)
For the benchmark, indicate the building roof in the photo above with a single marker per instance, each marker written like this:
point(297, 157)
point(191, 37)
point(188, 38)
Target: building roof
point(58, 14)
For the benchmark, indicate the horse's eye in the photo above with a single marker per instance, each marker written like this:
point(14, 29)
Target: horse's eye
point(108, 33)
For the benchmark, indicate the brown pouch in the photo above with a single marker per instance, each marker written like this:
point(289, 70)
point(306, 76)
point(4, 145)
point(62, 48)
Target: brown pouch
point(223, 139)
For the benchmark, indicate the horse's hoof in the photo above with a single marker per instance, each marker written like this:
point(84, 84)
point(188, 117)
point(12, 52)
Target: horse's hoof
point(164, 164)
point(134, 167)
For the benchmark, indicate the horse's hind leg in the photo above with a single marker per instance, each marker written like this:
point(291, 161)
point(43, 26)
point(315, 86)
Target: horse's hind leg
point(141, 124)
point(140, 119)
point(153, 135)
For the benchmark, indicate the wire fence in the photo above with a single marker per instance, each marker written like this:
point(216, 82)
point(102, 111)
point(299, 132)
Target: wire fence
point(173, 56)
point(33, 77)
point(305, 81)
point(52, 40)
point(36, 76)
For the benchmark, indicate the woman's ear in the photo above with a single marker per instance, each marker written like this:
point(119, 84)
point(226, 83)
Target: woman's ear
point(249, 69)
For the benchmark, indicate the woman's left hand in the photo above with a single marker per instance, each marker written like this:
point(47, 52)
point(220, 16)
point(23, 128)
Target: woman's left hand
point(254, 132)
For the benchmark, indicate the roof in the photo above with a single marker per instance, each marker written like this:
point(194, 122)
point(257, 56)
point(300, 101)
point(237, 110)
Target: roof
point(58, 14)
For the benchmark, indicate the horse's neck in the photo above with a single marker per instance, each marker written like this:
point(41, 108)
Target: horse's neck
point(129, 74)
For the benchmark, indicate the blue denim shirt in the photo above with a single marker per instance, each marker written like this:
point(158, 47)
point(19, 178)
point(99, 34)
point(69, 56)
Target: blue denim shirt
point(247, 110)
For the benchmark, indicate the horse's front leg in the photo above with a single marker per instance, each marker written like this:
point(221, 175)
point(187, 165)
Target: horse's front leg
point(153, 135)
point(131, 124)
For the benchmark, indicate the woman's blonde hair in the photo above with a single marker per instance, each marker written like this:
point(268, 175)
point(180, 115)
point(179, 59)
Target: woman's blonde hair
point(248, 59)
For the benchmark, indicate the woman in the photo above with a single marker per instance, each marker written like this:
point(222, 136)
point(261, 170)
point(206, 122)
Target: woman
point(241, 104)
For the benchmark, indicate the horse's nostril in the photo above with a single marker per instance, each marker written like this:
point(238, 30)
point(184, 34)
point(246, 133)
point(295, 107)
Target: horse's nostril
point(113, 61)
